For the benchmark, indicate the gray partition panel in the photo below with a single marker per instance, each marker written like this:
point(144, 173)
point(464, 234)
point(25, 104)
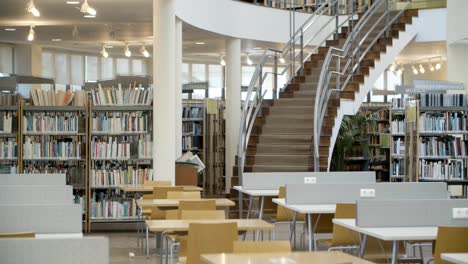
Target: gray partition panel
point(410, 213)
point(35, 194)
point(41, 219)
point(32, 179)
point(274, 180)
point(89, 250)
point(349, 193)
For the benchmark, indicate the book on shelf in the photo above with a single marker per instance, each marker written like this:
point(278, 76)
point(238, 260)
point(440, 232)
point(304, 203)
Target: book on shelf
point(111, 206)
point(145, 147)
point(443, 100)
point(398, 147)
point(8, 168)
point(81, 200)
point(8, 99)
point(6, 122)
point(398, 126)
point(8, 148)
point(194, 128)
point(41, 97)
point(120, 122)
point(189, 143)
point(398, 103)
point(192, 112)
point(47, 147)
point(110, 148)
point(443, 122)
point(115, 175)
point(443, 146)
point(52, 122)
point(122, 96)
point(397, 168)
point(443, 170)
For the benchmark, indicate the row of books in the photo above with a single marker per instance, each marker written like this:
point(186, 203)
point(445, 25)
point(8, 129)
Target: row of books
point(398, 147)
point(377, 128)
point(189, 142)
point(443, 100)
point(439, 122)
point(101, 206)
point(8, 169)
point(380, 115)
point(447, 170)
point(122, 96)
point(51, 122)
point(192, 112)
point(191, 127)
point(145, 147)
point(398, 126)
point(75, 174)
point(6, 122)
point(81, 200)
point(41, 97)
point(113, 148)
point(8, 99)
point(8, 149)
point(120, 122)
point(397, 168)
point(45, 147)
point(437, 146)
point(115, 177)
point(398, 103)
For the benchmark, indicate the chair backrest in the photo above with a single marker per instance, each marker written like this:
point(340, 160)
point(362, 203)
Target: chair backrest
point(210, 239)
point(17, 235)
point(171, 214)
point(341, 235)
point(202, 214)
point(197, 205)
point(160, 192)
point(283, 214)
point(261, 247)
point(183, 195)
point(450, 240)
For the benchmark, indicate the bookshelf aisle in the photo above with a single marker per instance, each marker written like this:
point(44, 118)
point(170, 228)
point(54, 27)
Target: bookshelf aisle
point(193, 113)
point(120, 151)
point(397, 147)
point(9, 110)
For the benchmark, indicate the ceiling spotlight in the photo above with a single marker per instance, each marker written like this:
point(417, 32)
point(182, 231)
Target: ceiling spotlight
point(248, 60)
point(31, 34)
point(431, 67)
point(10, 29)
point(200, 43)
point(281, 59)
point(438, 65)
point(400, 69)
point(56, 39)
point(144, 52)
point(32, 9)
point(392, 67)
point(104, 52)
point(222, 61)
point(127, 51)
point(86, 8)
point(72, 2)
point(421, 69)
point(415, 71)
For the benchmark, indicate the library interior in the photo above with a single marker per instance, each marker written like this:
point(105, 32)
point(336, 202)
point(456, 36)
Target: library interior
point(233, 131)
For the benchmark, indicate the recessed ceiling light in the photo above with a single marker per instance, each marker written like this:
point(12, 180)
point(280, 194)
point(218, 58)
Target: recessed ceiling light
point(150, 37)
point(89, 16)
point(72, 2)
point(10, 29)
point(56, 39)
point(200, 43)
point(258, 48)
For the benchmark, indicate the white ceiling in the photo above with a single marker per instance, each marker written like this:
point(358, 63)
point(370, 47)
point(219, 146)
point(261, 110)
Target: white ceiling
point(419, 51)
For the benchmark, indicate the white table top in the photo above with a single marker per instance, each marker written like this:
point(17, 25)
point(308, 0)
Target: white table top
point(458, 258)
point(257, 192)
point(308, 208)
point(58, 236)
point(391, 233)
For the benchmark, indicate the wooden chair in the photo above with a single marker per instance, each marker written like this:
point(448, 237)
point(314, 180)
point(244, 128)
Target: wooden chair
point(155, 184)
point(191, 205)
point(183, 195)
point(202, 214)
point(283, 214)
point(450, 240)
point(160, 192)
point(209, 239)
point(261, 247)
point(18, 235)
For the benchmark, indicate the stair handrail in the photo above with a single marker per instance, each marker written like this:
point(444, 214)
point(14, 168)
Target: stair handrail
point(248, 114)
point(352, 54)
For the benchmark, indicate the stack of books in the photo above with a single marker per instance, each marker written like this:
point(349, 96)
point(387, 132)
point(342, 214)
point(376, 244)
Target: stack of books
point(50, 122)
point(119, 96)
point(110, 148)
point(443, 100)
point(8, 149)
point(107, 122)
point(8, 99)
point(6, 122)
point(46, 147)
point(442, 170)
point(42, 97)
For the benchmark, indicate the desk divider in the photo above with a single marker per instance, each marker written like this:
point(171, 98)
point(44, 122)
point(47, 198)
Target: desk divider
point(89, 250)
point(411, 213)
point(32, 179)
point(274, 180)
point(29, 194)
point(41, 219)
point(348, 193)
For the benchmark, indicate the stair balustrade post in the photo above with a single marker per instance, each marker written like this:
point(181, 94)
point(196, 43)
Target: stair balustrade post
point(336, 20)
point(301, 63)
point(260, 90)
point(387, 32)
point(275, 76)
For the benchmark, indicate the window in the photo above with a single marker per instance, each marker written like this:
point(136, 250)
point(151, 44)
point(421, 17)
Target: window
point(107, 68)
point(215, 80)
point(77, 69)
point(378, 85)
point(185, 73)
point(122, 66)
point(198, 73)
point(61, 68)
point(91, 68)
point(138, 67)
point(6, 59)
point(48, 65)
point(393, 79)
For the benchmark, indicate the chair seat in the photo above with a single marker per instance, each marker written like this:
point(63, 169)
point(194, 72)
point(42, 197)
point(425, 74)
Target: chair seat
point(146, 212)
point(182, 260)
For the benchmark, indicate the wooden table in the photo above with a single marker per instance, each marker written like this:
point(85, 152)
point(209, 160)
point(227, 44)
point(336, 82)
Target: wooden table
point(149, 189)
point(280, 258)
point(159, 226)
point(171, 203)
point(459, 258)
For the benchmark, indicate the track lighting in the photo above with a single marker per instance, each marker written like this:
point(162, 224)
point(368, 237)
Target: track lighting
point(415, 71)
point(127, 51)
point(392, 67)
point(248, 60)
point(86, 8)
point(221, 61)
point(400, 69)
point(281, 59)
point(421, 69)
point(431, 67)
point(31, 34)
point(32, 9)
point(144, 52)
point(438, 65)
point(104, 52)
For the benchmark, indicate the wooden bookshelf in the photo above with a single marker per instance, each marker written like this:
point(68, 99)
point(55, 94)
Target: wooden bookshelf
point(9, 139)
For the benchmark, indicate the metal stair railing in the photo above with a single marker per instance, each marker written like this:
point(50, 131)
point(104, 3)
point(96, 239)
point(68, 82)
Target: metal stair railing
point(327, 16)
point(365, 31)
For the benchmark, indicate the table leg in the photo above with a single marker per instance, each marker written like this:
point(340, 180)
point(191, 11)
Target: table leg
point(240, 205)
point(395, 252)
point(260, 215)
point(250, 207)
point(292, 229)
point(363, 245)
point(309, 222)
point(147, 241)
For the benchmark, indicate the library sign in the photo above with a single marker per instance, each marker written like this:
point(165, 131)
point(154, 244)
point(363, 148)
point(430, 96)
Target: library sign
point(427, 86)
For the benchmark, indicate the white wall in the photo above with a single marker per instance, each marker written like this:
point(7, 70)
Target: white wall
point(457, 20)
point(457, 63)
point(439, 75)
point(432, 26)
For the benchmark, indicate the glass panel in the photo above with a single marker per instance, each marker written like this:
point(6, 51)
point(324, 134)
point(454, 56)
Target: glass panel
point(393, 79)
point(6, 59)
point(122, 66)
point(215, 80)
point(107, 68)
point(61, 68)
point(185, 73)
point(91, 68)
point(198, 73)
point(247, 72)
point(268, 82)
point(48, 65)
point(77, 69)
point(138, 67)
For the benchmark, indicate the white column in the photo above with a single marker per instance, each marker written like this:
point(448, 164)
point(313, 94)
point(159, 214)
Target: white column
point(164, 79)
point(233, 104)
point(178, 78)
